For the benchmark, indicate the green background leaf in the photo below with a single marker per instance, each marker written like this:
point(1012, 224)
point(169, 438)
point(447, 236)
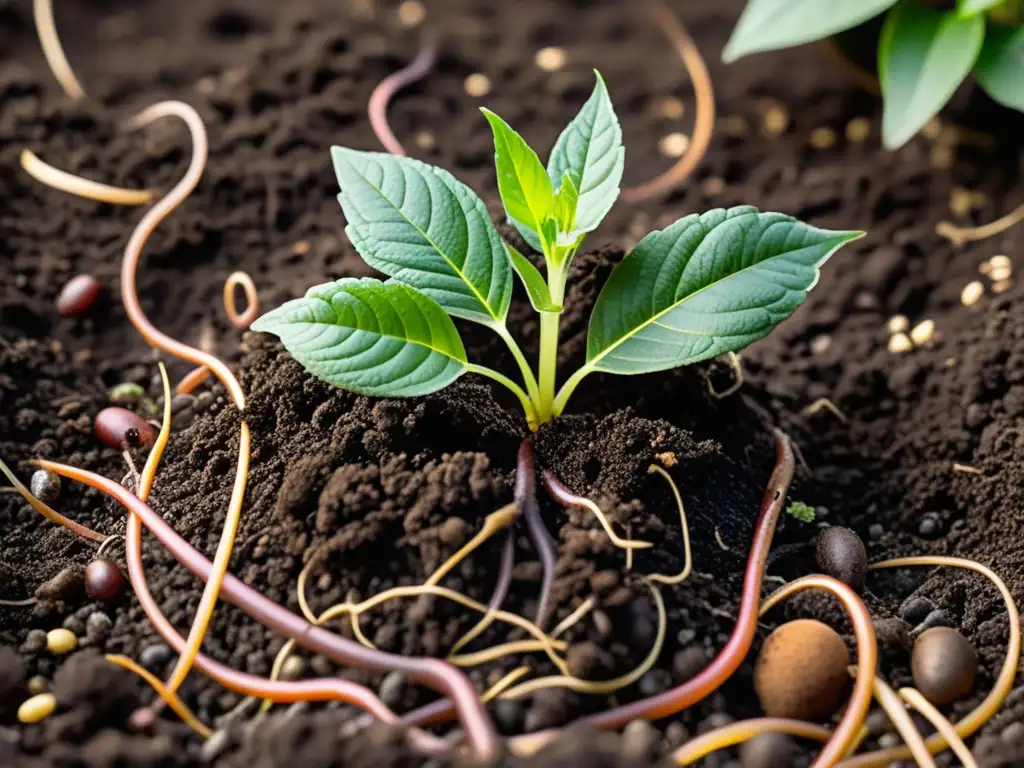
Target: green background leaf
point(967, 8)
point(421, 226)
point(1000, 67)
point(767, 25)
point(923, 56)
point(374, 338)
point(708, 284)
point(590, 150)
point(526, 190)
point(533, 281)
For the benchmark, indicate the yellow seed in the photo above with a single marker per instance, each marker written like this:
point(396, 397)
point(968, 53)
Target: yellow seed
point(37, 684)
point(1001, 273)
point(425, 140)
point(1002, 286)
point(960, 201)
point(941, 157)
point(776, 120)
point(301, 248)
point(37, 708)
point(411, 13)
point(900, 342)
point(478, 84)
point(898, 324)
point(61, 641)
point(823, 137)
point(931, 128)
point(1001, 260)
point(858, 129)
point(971, 293)
point(674, 144)
point(550, 59)
point(672, 108)
point(923, 332)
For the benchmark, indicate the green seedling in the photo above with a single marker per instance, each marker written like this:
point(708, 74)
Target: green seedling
point(924, 53)
point(801, 511)
point(706, 285)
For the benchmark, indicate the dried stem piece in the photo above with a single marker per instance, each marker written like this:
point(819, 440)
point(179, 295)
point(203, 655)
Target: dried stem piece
point(46, 28)
point(76, 185)
point(961, 235)
point(704, 122)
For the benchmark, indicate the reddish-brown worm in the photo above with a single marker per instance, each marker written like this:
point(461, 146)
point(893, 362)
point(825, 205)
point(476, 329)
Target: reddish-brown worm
point(433, 673)
point(390, 85)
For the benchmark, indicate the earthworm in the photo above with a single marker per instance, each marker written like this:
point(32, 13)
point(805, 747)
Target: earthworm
point(431, 672)
point(390, 85)
point(245, 319)
point(731, 656)
point(704, 123)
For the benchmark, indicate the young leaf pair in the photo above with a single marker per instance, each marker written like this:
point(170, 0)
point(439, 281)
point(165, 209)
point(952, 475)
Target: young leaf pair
point(706, 285)
point(924, 53)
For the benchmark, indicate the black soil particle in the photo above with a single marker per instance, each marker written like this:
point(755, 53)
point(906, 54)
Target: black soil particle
point(377, 493)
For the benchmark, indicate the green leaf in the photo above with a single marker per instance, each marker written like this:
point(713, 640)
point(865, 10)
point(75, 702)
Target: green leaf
point(767, 25)
point(533, 281)
point(525, 187)
point(565, 204)
point(708, 284)
point(923, 55)
point(374, 338)
point(421, 226)
point(802, 512)
point(590, 151)
point(967, 8)
point(1000, 67)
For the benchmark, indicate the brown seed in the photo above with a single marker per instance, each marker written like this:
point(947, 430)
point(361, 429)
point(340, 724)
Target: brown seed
point(841, 554)
point(943, 664)
point(78, 295)
point(801, 671)
point(116, 426)
point(103, 579)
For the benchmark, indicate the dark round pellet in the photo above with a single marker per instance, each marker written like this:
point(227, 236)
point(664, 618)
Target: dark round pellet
point(841, 554)
point(103, 579)
point(944, 665)
point(78, 295)
point(117, 426)
point(45, 485)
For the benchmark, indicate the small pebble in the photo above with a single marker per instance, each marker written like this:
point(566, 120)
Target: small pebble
point(914, 609)
point(944, 665)
point(39, 707)
point(972, 293)
point(392, 688)
point(876, 531)
point(899, 343)
point(923, 332)
point(425, 139)
point(858, 129)
point(840, 553)
point(550, 59)
point(78, 295)
point(45, 485)
point(936, 618)
point(672, 108)
point(820, 344)
point(155, 657)
point(654, 682)
point(688, 662)
point(767, 750)
point(98, 626)
point(35, 642)
point(929, 527)
point(142, 720)
point(776, 120)
point(638, 739)
point(411, 13)
point(478, 85)
point(61, 641)
point(509, 714)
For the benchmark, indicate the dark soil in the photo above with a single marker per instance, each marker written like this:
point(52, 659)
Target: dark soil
point(343, 479)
